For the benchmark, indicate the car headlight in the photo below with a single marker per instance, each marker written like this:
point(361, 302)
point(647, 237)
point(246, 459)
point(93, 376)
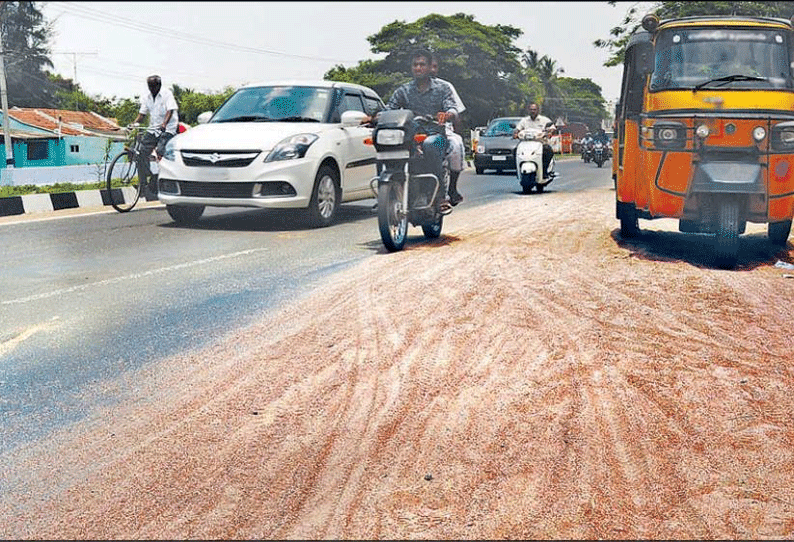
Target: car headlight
point(291, 148)
point(389, 136)
point(170, 151)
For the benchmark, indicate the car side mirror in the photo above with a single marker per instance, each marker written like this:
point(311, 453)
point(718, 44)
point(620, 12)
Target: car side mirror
point(204, 117)
point(353, 118)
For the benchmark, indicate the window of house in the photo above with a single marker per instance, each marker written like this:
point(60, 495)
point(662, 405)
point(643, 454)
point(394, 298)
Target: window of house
point(38, 150)
point(74, 148)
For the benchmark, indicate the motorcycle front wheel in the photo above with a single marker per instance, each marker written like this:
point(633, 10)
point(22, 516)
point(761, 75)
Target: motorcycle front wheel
point(392, 218)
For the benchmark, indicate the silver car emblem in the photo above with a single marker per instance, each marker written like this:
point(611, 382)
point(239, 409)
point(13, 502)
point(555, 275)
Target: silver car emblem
point(214, 157)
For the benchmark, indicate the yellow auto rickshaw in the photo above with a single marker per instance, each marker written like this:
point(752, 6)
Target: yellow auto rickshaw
point(705, 128)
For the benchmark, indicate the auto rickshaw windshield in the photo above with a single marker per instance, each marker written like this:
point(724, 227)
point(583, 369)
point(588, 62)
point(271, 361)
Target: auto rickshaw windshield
point(687, 58)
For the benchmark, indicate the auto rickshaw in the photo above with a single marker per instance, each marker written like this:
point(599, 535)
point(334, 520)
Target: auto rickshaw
point(705, 128)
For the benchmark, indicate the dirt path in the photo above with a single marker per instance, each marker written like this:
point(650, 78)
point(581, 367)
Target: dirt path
point(526, 377)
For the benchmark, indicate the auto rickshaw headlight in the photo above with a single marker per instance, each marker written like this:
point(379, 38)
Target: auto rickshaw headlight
point(787, 138)
point(669, 135)
point(759, 133)
point(702, 131)
point(782, 136)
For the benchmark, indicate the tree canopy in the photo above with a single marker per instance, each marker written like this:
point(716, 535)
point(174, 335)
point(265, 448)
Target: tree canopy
point(619, 35)
point(491, 74)
point(24, 34)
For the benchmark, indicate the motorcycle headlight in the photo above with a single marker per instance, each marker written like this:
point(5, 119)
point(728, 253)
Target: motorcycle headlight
point(291, 148)
point(480, 149)
point(702, 131)
point(389, 136)
point(759, 133)
point(170, 151)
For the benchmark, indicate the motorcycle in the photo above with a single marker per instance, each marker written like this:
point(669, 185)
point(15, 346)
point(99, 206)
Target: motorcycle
point(587, 151)
point(529, 161)
point(599, 153)
point(411, 186)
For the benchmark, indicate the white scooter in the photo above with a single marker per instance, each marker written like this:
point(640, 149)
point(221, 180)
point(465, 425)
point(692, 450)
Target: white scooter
point(529, 161)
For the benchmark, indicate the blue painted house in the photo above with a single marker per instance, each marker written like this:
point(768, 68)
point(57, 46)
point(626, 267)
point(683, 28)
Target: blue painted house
point(56, 137)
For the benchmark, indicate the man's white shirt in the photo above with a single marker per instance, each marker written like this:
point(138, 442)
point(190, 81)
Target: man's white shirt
point(157, 108)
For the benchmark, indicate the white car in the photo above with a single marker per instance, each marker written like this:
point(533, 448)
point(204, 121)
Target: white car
point(274, 145)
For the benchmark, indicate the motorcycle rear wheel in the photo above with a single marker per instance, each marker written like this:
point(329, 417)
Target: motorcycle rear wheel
point(433, 231)
point(392, 218)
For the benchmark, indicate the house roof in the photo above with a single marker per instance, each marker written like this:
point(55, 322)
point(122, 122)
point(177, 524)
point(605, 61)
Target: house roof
point(71, 122)
point(22, 134)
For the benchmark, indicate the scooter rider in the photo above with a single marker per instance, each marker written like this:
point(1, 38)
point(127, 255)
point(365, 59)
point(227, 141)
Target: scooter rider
point(540, 123)
point(425, 95)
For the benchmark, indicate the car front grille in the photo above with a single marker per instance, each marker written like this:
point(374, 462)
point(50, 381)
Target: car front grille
point(216, 190)
point(218, 158)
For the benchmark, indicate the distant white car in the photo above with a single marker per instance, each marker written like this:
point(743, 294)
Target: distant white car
point(274, 145)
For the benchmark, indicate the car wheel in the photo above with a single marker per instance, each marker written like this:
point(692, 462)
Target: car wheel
point(185, 214)
point(325, 198)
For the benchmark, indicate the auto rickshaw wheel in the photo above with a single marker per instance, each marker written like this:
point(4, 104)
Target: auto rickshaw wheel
point(778, 232)
point(726, 248)
point(629, 222)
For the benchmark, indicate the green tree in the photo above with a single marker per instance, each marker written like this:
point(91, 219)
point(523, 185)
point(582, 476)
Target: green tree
point(583, 102)
point(619, 35)
point(192, 104)
point(24, 34)
point(479, 60)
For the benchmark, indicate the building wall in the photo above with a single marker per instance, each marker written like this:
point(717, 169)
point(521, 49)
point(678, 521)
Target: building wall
point(68, 151)
point(43, 176)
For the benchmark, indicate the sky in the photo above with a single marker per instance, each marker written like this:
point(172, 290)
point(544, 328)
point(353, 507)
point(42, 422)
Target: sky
point(110, 48)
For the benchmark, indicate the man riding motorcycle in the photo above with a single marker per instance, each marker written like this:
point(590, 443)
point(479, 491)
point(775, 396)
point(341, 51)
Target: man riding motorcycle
point(427, 96)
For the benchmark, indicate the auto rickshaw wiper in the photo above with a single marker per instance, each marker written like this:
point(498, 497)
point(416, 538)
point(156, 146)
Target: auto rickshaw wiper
point(728, 79)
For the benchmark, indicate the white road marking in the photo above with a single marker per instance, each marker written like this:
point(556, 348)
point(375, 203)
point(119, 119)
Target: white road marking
point(132, 277)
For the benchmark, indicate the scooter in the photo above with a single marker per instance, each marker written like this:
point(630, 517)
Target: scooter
point(529, 161)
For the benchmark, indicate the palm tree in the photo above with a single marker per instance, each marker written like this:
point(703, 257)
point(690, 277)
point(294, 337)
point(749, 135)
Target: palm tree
point(554, 97)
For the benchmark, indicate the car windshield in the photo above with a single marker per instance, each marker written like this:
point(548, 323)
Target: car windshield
point(275, 104)
point(501, 127)
point(736, 58)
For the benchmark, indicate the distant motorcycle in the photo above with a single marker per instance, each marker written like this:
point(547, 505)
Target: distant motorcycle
point(600, 153)
point(529, 161)
point(587, 151)
point(407, 187)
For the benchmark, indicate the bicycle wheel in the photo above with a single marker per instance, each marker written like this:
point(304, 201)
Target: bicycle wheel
point(123, 185)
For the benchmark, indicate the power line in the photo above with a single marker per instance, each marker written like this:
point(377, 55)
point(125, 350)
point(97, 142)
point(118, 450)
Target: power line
point(104, 17)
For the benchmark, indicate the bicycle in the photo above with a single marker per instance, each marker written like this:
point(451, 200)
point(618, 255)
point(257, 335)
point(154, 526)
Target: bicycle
point(122, 181)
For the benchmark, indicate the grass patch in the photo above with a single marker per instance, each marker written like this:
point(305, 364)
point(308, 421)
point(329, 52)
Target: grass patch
point(57, 188)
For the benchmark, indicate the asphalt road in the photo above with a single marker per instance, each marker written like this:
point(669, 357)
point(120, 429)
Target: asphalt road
point(97, 296)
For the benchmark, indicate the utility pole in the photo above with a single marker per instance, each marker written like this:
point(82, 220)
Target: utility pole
point(8, 143)
point(74, 60)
